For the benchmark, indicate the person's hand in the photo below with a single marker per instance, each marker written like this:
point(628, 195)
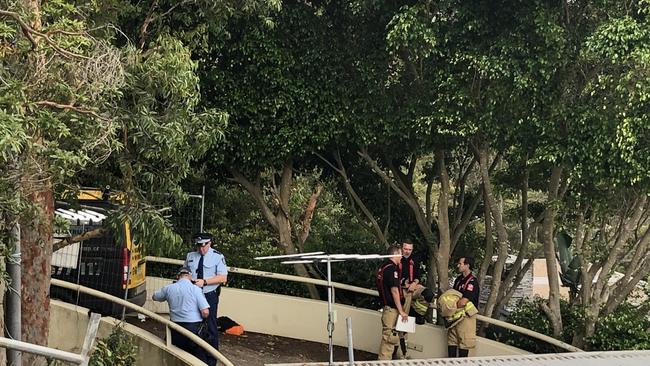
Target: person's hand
point(412, 286)
point(200, 283)
point(405, 316)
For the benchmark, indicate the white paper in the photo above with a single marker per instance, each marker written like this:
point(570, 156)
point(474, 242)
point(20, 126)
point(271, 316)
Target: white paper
point(407, 326)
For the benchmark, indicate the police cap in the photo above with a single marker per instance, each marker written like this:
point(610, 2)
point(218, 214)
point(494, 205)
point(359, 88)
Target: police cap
point(202, 239)
point(184, 270)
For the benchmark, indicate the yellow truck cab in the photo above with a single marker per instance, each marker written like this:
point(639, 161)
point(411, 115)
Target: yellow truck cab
point(110, 263)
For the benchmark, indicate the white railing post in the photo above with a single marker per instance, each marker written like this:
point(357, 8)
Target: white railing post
point(91, 334)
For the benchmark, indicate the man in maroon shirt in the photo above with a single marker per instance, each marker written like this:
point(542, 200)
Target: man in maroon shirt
point(462, 337)
point(390, 293)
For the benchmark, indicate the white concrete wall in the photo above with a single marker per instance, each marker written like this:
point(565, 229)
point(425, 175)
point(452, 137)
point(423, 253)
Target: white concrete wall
point(306, 319)
point(68, 325)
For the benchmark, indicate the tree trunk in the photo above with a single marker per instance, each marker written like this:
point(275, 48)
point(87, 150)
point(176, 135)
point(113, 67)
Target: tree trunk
point(402, 184)
point(502, 235)
point(517, 272)
point(444, 246)
point(279, 218)
point(489, 244)
point(552, 310)
point(36, 245)
point(288, 247)
point(375, 229)
point(36, 233)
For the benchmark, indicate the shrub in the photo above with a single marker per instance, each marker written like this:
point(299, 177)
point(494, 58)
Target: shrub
point(118, 349)
point(625, 329)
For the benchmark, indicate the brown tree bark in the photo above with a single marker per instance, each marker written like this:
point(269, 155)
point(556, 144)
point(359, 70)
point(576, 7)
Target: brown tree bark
point(444, 232)
point(36, 245)
point(309, 216)
point(37, 228)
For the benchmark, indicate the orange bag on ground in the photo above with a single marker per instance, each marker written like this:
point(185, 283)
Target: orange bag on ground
point(236, 330)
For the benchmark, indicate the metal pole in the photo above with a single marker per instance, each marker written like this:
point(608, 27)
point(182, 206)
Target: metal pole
point(330, 321)
point(348, 322)
point(36, 349)
point(14, 356)
point(202, 207)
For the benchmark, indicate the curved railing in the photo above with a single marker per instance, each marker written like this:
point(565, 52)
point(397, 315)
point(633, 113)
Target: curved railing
point(168, 324)
point(362, 290)
point(43, 351)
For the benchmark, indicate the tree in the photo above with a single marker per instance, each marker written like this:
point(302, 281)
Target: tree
point(74, 108)
point(281, 83)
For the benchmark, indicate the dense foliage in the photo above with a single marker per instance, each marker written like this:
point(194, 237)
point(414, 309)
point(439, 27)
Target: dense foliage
point(625, 329)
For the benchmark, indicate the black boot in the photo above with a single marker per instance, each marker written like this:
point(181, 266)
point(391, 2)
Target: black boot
point(395, 350)
point(463, 352)
point(452, 351)
point(402, 344)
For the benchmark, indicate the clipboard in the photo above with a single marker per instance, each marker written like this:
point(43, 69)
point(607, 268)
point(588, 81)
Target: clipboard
point(407, 326)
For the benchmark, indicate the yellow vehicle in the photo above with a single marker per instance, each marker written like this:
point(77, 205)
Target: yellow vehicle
point(110, 263)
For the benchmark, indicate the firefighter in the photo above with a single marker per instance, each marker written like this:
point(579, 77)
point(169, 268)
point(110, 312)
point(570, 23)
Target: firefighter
point(458, 307)
point(413, 289)
point(391, 296)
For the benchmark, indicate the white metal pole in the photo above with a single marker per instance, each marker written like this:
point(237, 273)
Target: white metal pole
point(202, 207)
point(41, 350)
point(14, 356)
point(348, 322)
point(330, 320)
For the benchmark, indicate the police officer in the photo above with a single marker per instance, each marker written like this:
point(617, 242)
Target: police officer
point(390, 292)
point(462, 337)
point(209, 272)
point(187, 308)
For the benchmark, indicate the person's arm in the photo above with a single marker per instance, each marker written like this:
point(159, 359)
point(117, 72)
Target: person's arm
point(471, 291)
point(394, 291)
point(159, 295)
point(215, 280)
point(220, 277)
point(204, 306)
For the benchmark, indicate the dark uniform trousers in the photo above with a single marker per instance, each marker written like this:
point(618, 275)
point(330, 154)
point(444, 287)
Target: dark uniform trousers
point(213, 300)
point(186, 344)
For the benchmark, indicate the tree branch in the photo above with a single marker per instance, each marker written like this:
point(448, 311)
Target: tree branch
point(70, 107)
point(378, 233)
point(255, 191)
point(95, 233)
point(29, 32)
point(309, 215)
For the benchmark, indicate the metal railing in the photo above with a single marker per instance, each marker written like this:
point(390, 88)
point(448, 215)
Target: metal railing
point(362, 290)
point(139, 309)
point(42, 350)
point(76, 358)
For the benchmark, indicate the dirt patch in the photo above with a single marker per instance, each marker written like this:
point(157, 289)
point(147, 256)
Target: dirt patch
point(256, 349)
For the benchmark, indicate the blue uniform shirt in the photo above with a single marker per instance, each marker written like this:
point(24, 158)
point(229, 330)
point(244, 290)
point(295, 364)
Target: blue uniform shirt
point(185, 301)
point(214, 263)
